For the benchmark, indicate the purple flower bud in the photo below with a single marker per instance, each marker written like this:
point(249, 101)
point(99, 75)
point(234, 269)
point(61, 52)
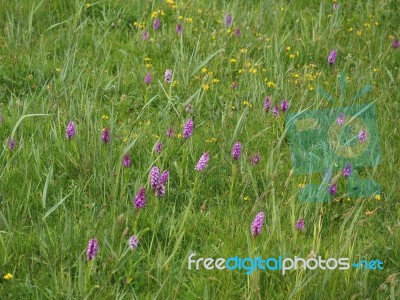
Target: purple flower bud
point(333, 189)
point(92, 249)
point(160, 190)
point(189, 108)
point(163, 178)
point(156, 24)
point(255, 159)
point(126, 161)
point(105, 135)
point(158, 147)
point(267, 104)
point(179, 28)
point(335, 6)
point(203, 161)
point(300, 224)
point(145, 35)
point(188, 129)
point(237, 148)
point(340, 119)
point(133, 242)
point(285, 105)
point(170, 132)
point(237, 32)
point(396, 44)
point(168, 76)
point(140, 199)
point(154, 176)
point(332, 57)
point(228, 20)
point(234, 85)
point(70, 131)
point(275, 111)
point(257, 224)
point(362, 136)
point(12, 144)
point(148, 78)
point(346, 172)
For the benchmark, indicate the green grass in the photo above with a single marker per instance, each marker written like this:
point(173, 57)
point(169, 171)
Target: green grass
point(66, 60)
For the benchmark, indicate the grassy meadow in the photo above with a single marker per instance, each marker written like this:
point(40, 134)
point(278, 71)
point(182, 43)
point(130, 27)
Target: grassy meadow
point(102, 65)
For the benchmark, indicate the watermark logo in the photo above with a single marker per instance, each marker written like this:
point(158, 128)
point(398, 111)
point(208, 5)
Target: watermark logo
point(325, 141)
point(249, 265)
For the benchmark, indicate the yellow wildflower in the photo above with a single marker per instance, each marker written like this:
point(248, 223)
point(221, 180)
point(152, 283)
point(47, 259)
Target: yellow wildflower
point(211, 140)
point(271, 84)
point(377, 197)
point(8, 276)
point(105, 117)
point(232, 60)
point(205, 87)
point(369, 212)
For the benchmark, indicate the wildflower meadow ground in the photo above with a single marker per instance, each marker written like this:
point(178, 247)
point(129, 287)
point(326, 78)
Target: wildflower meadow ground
point(137, 133)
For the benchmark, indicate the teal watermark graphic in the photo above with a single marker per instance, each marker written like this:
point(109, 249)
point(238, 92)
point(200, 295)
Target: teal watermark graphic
point(325, 141)
point(282, 264)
